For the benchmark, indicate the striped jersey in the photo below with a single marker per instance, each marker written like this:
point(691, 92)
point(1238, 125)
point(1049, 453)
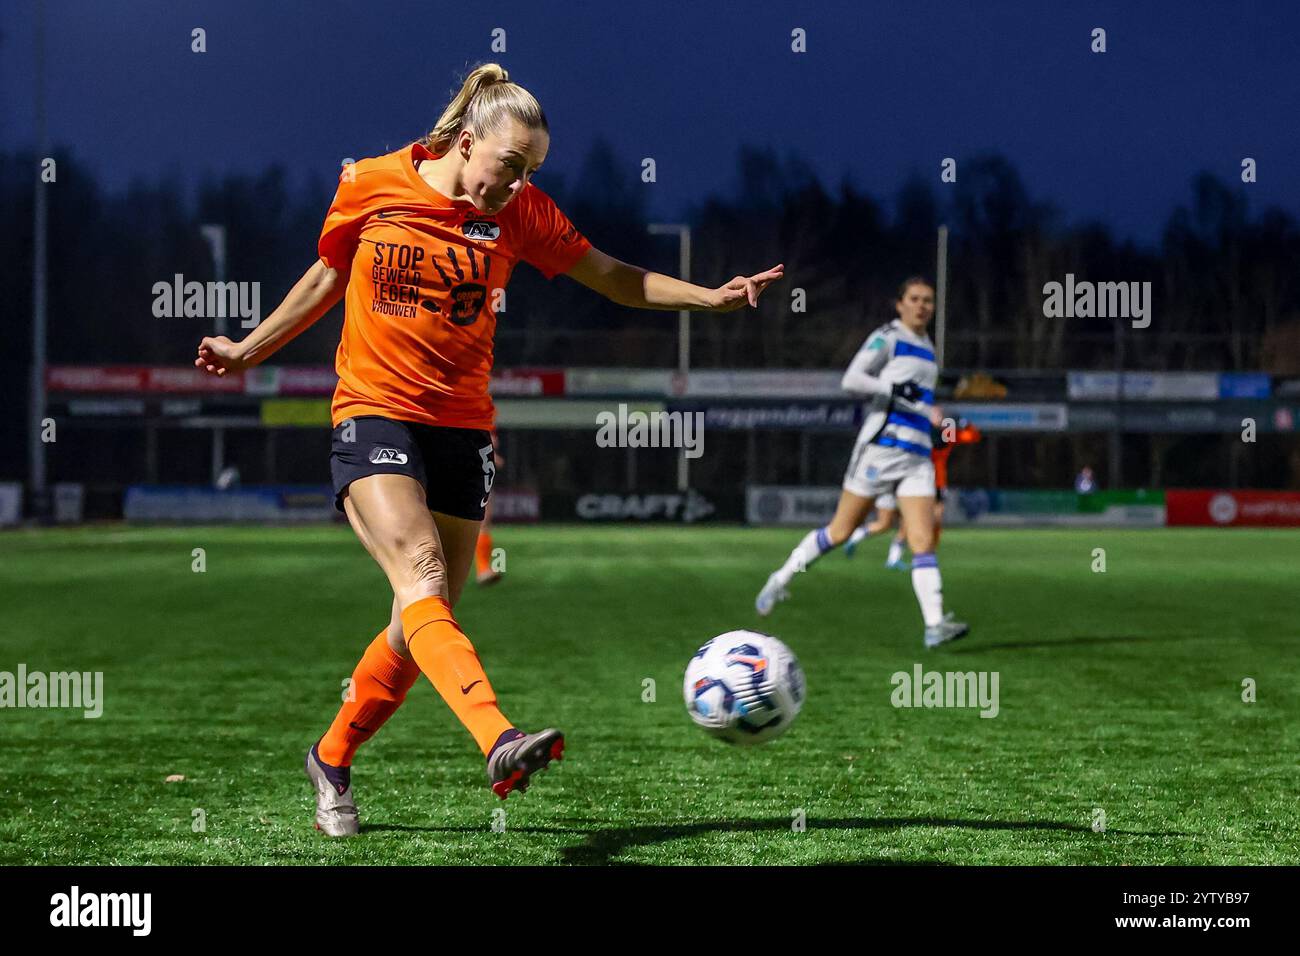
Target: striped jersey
point(894, 354)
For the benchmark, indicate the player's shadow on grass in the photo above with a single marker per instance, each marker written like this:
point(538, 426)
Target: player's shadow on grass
point(969, 646)
point(601, 846)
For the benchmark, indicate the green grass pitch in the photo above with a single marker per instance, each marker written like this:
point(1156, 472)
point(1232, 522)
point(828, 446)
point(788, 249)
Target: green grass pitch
point(1119, 691)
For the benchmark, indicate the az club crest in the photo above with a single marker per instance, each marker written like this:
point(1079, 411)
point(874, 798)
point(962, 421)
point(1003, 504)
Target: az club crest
point(482, 229)
point(387, 456)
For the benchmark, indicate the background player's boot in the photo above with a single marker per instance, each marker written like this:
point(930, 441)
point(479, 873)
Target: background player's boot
point(485, 578)
point(336, 812)
point(949, 629)
point(513, 760)
point(895, 561)
point(859, 535)
point(773, 591)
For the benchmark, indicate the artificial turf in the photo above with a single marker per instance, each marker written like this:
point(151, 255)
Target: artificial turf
point(1120, 691)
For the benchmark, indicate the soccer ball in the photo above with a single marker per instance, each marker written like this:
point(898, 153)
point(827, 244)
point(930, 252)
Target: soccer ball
point(744, 687)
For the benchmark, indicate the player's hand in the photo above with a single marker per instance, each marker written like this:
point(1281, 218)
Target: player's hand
point(907, 390)
point(218, 355)
point(744, 290)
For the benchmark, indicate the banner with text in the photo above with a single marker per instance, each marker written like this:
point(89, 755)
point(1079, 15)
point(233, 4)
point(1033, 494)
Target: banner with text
point(1233, 508)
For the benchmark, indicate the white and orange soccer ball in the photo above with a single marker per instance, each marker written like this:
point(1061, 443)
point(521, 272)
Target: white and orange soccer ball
point(744, 687)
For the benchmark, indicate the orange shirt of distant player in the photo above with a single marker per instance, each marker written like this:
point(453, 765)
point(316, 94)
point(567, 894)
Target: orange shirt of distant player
point(420, 308)
point(939, 454)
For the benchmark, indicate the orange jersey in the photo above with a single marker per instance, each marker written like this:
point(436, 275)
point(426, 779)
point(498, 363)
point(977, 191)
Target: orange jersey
point(967, 434)
point(426, 274)
point(940, 458)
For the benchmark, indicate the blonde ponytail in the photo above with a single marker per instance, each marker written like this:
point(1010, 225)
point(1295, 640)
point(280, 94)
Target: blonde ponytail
point(485, 101)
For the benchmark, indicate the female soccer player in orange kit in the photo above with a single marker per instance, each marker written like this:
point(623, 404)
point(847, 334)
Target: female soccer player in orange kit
point(421, 240)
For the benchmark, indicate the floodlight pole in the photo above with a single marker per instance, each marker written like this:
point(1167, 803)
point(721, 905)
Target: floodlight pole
point(941, 295)
point(1117, 432)
point(683, 234)
point(215, 236)
point(40, 223)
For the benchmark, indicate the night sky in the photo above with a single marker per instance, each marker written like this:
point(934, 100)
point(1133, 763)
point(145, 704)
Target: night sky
point(883, 91)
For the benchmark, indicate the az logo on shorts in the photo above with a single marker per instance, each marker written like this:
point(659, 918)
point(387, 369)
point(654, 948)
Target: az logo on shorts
point(387, 456)
point(872, 472)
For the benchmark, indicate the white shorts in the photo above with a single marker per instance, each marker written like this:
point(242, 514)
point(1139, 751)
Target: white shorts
point(875, 470)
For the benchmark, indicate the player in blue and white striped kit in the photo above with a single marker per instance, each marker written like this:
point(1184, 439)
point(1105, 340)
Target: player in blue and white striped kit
point(896, 370)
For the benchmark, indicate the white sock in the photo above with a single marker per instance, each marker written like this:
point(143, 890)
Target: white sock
point(928, 586)
point(860, 533)
point(812, 547)
point(895, 552)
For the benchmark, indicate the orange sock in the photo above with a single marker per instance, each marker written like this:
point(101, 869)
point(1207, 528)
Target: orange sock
point(380, 683)
point(483, 553)
point(449, 660)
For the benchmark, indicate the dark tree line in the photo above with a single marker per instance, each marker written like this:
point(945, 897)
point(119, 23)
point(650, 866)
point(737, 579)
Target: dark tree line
point(1223, 278)
point(1224, 281)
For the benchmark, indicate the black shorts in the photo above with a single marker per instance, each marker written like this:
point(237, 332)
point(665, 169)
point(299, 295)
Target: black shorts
point(455, 465)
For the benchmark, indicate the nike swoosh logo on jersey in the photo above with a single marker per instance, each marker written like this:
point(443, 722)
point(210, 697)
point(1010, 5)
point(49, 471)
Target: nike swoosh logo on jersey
point(466, 690)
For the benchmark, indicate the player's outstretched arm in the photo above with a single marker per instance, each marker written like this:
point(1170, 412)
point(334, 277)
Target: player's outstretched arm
point(642, 289)
point(862, 375)
point(311, 297)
